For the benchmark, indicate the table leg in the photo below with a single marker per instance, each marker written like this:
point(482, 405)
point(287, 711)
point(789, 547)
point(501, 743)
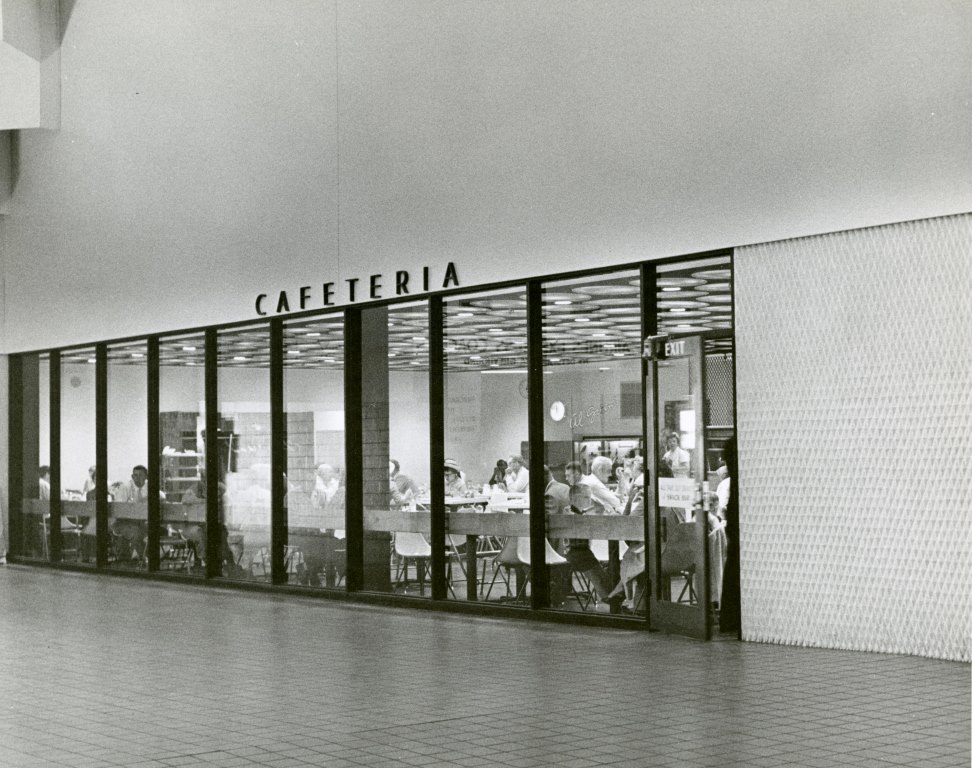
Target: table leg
point(472, 577)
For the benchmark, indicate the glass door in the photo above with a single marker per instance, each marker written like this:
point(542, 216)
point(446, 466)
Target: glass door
point(679, 523)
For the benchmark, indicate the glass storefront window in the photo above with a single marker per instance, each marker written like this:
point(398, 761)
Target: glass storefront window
point(182, 457)
point(395, 358)
point(78, 432)
point(313, 359)
point(243, 384)
point(35, 455)
point(486, 448)
point(593, 441)
point(127, 459)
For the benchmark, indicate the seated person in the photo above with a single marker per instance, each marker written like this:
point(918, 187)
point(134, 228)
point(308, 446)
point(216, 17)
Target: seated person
point(454, 484)
point(579, 553)
point(601, 468)
point(135, 489)
point(517, 475)
point(404, 484)
point(556, 495)
point(497, 481)
point(632, 584)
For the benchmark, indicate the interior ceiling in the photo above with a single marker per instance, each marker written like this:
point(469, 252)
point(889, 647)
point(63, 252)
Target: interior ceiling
point(587, 320)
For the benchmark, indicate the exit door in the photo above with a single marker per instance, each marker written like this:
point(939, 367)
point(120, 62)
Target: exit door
point(686, 542)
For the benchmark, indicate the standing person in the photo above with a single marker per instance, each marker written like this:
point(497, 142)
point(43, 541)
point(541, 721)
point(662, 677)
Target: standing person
point(88, 489)
point(729, 602)
point(44, 482)
point(676, 457)
point(517, 476)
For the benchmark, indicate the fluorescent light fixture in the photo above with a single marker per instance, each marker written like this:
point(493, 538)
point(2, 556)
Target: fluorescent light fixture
point(188, 349)
point(239, 358)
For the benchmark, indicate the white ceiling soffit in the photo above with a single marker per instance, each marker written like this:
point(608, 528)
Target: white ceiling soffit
point(30, 65)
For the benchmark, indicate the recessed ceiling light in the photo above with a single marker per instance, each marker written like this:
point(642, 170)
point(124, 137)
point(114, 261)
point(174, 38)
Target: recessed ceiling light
point(392, 354)
point(582, 319)
point(475, 357)
point(677, 309)
point(188, 349)
point(137, 354)
point(418, 338)
point(671, 288)
point(239, 357)
point(554, 359)
point(599, 335)
point(314, 333)
point(293, 351)
point(91, 360)
point(604, 369)
point(563, 302)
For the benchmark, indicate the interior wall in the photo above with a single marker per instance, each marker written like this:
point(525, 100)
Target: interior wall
point(854, 374)
point(207, 154)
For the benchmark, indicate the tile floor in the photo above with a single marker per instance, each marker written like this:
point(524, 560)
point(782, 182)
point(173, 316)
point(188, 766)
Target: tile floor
point(104, 671)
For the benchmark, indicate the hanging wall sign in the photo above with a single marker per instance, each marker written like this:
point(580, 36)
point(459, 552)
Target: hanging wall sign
point(379, 286)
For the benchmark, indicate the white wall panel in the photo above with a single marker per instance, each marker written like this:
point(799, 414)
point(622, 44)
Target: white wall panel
point(854, 382)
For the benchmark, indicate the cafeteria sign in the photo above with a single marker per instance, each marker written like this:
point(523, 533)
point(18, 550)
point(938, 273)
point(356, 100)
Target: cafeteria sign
point(676, 492)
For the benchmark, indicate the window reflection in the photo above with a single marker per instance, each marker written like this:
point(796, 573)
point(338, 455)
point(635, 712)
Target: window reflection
point(243, 385)
point(316, 553)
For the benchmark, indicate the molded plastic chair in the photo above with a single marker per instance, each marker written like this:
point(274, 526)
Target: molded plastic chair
point(516, 554)
point(412, 548)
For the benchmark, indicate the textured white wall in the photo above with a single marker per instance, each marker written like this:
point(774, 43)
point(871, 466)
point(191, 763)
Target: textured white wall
point(854, 382)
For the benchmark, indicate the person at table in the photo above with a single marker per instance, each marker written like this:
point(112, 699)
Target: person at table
point(454, 484)
point(136, 489)
point(632, 583)
point(326, 486)
point(405, 485)
point(597, 480)
point(556, 495)
point(517, 476)
point(676, 457)
point(497, 481)
point(579, 554)
point(44, 482)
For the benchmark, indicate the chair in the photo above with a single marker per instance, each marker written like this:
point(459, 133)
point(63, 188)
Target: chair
point(516, 555)
point(69, 530)
point(412, 548)
point(176, 552)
